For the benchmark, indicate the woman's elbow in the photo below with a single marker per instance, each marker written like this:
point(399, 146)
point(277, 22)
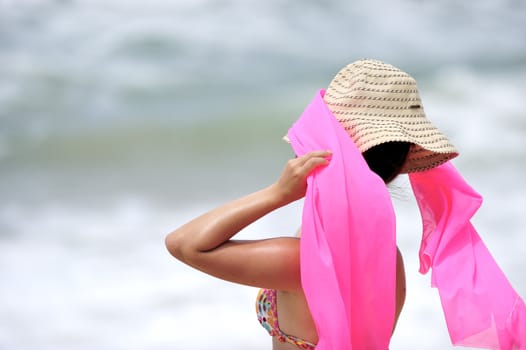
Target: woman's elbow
point(176, 246)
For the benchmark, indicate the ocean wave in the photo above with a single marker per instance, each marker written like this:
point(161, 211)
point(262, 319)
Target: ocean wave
point(122, 119)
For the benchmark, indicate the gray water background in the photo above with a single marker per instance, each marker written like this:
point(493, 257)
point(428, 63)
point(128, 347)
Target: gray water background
point(120, 120)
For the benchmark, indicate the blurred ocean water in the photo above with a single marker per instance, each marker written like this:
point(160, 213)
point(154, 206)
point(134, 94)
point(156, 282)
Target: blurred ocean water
point(120, 120)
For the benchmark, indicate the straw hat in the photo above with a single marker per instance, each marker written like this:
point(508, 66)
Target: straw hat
point(377, 103)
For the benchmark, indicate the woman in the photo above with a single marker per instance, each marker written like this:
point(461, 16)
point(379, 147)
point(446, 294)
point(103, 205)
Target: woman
point(379, 107)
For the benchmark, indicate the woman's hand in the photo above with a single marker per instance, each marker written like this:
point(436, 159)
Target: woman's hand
point(292, 184)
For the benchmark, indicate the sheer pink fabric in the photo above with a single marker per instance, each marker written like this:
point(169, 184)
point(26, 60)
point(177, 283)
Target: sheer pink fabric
point(348, 250)
point(481, 307)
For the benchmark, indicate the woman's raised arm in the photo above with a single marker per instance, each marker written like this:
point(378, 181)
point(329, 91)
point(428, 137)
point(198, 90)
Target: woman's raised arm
point(205, 242)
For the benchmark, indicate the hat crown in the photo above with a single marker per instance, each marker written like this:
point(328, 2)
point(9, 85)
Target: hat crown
point(377, 103)
point(373, 83)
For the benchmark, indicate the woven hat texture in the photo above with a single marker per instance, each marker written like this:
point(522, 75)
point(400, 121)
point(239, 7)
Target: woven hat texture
point(377, 103)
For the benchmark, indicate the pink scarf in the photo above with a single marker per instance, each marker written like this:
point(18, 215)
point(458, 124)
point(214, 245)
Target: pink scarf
point(348, 249)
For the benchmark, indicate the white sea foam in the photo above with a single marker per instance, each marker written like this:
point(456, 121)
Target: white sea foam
point(76, 279)
point(80, 278)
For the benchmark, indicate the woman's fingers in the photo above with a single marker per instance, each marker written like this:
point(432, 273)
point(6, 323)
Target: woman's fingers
point(312, 160)
point(301, 167)
point(314, 154)
point(313, 163)
point(293, 181)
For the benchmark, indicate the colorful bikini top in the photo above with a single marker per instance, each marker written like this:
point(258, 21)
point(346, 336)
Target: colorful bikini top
point(267, 311)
